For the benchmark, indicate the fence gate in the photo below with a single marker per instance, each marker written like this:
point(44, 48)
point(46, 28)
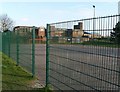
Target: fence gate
point(84, 54)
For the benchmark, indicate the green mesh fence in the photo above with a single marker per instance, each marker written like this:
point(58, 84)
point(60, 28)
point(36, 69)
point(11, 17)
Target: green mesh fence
point(13, 45)
point(40, 64)
point(20, 46)
point(5, 42)
point(84, 54)
point(0, 61)
point(27, 49)
point(1, 41)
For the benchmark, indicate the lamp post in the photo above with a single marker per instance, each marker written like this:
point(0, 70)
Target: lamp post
point(93, 20)
point(94, 10)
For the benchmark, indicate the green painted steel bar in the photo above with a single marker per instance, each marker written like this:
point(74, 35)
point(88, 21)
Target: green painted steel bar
point(7, 43)
point(5, 40)
point(47, 54)
point(118, 61)
point(33, 51)
point(0, 41)
point(17, 48)
point(9, 36)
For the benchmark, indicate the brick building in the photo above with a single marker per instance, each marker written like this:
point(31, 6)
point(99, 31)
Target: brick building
point(25, 30)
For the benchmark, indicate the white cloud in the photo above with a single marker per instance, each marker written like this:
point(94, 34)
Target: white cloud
point(25, 19)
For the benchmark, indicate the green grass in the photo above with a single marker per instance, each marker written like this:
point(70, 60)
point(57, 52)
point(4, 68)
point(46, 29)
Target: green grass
point(100, 43)
point(15, 77)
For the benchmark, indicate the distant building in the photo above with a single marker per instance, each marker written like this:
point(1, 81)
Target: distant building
point(41, 34)
point(52, 31)
point(25, 30)
point(78, 30)
point(75, 35)
point(22, 29)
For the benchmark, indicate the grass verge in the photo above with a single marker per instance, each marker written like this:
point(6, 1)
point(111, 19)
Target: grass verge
point(16, 78)
point(101, 43)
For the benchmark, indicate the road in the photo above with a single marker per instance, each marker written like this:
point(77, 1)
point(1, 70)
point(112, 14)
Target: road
point(40, 63)
point(84, 67)
point(77, 67)
point(25, 59)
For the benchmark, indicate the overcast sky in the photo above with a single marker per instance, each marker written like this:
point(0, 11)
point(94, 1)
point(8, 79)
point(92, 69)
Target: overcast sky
point(41, 13)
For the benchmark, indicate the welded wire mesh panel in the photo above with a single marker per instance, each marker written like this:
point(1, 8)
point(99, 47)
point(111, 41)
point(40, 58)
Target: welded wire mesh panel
point(9, 44)
point(25, 48)
point(5, 42)
point(13, 45)
point(40, 55)
point(19, 45)
point(1, 41)
point(84, 54)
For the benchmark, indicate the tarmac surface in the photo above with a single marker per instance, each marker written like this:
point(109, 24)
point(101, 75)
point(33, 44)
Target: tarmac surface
point(75, 67)
point(80, 67)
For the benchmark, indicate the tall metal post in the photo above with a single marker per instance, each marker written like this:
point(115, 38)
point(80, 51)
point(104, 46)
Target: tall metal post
point(1, 61)
point(47, 54)
point(33, 51)
point(1, 41)
point(9, 36)
point(118, 61)
point(17, 48)
point(5, 41)
point(93, 20)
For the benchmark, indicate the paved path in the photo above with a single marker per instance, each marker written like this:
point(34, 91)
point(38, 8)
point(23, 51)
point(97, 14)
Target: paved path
point(40, 62)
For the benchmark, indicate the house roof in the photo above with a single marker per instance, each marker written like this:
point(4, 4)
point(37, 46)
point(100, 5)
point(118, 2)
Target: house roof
point(86, 33)
point(24, 27)
point(85, 36)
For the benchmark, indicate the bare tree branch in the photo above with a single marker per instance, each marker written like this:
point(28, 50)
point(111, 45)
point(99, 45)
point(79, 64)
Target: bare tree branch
point(6, 23)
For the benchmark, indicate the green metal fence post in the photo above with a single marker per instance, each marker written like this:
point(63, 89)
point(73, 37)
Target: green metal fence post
point(118, 61)
point(17, 48)
point(47, 54)
point(9, 35)
point(33, 51)
point(5, 40)
point(1, 41)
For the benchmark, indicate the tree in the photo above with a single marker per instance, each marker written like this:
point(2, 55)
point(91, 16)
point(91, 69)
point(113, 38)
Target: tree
point(115, 35)
point(6, 23)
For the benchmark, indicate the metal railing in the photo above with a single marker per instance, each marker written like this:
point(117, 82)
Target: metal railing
point(79, 55)
point(82, 57)
point(19, 45)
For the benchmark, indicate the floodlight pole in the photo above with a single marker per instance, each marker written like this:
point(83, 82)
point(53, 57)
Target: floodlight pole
point(93, 20)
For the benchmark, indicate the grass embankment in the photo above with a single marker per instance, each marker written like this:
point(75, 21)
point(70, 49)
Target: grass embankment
point(16, 78)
